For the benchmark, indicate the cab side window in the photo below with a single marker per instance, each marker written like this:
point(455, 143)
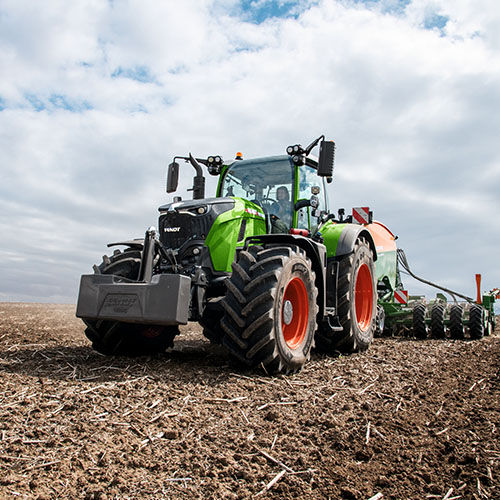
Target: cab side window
point(308, 178)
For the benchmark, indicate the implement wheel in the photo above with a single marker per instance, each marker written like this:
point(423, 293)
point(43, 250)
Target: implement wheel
point(438, 328)
point(379, 322)
point(476, 322)
point(420, 329)
point(270, 309)
point(357, 303)
point(117, 338)
point(457, 330)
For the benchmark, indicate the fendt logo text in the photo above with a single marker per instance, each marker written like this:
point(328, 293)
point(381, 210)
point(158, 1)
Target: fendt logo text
point(172, 229)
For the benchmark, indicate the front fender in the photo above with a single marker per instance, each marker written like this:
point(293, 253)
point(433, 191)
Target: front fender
point(136, 244)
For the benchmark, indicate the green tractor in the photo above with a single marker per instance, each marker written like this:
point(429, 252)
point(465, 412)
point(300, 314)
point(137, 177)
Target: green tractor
point(265, 268)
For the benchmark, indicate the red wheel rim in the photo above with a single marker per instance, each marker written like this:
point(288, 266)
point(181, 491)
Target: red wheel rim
point(294, 313)
point(363, 297)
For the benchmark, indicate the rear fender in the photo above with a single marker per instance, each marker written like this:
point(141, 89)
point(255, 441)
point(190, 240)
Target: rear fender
point(340, 239)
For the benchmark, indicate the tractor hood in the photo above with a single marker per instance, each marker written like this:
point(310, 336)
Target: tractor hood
point(192, 206)
point(191, 220)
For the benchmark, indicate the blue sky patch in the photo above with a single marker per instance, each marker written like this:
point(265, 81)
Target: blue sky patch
point(435, 21)
point(395, 7)
point(2, 104)
point(258, 11)
point(36, 103)
point(57, 101)
point(140, 74)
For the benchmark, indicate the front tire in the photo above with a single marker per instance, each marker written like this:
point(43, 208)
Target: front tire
point(270, 309)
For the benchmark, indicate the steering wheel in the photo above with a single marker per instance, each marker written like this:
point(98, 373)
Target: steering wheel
point(268, 205)
point(266, 202)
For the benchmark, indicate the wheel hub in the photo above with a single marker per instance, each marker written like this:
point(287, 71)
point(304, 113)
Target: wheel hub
point(287, 312)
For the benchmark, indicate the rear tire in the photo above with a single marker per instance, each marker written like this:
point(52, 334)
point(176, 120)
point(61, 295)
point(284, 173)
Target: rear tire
point(270, 309)
point(438, 328)
point(130, 339)
point(476, 322)
point(420, 329)
point(457, 330)
point(357, 303)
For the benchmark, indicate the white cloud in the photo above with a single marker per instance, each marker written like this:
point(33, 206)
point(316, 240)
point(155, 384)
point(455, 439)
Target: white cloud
point(122, 86)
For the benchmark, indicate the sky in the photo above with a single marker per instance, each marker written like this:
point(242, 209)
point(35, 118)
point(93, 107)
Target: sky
point(96, 99)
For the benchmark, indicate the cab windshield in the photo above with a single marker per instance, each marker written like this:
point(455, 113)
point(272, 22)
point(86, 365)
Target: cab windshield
point(269, 183)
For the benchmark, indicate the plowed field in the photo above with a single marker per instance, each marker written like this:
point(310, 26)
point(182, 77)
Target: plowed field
point(407, 419)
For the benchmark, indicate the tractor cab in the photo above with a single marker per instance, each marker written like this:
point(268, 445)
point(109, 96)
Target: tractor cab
point(289, 194)
point(290, 188)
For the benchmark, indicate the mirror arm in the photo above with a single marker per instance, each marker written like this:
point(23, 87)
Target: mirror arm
point(301, 204)
point(196, 165)
point(313, 144)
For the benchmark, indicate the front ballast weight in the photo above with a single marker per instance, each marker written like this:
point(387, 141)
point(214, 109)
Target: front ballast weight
point(135, 295)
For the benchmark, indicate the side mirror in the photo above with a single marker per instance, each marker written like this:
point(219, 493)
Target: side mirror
point(326, 158)
point(172, 177)
point(311, 202)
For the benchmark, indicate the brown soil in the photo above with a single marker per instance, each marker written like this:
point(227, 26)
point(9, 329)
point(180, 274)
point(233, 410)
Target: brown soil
point(407, 419)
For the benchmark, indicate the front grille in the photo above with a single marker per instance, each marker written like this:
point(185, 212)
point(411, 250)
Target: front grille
point(181, 222)
point(177, 228)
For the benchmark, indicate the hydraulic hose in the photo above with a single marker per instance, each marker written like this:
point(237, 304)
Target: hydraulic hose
point(403, 262)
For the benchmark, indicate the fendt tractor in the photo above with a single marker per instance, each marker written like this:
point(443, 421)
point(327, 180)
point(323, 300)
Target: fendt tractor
point(265, 268)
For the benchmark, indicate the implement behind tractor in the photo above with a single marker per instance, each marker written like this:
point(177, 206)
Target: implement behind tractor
point(265, 268)
point(414, 315)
